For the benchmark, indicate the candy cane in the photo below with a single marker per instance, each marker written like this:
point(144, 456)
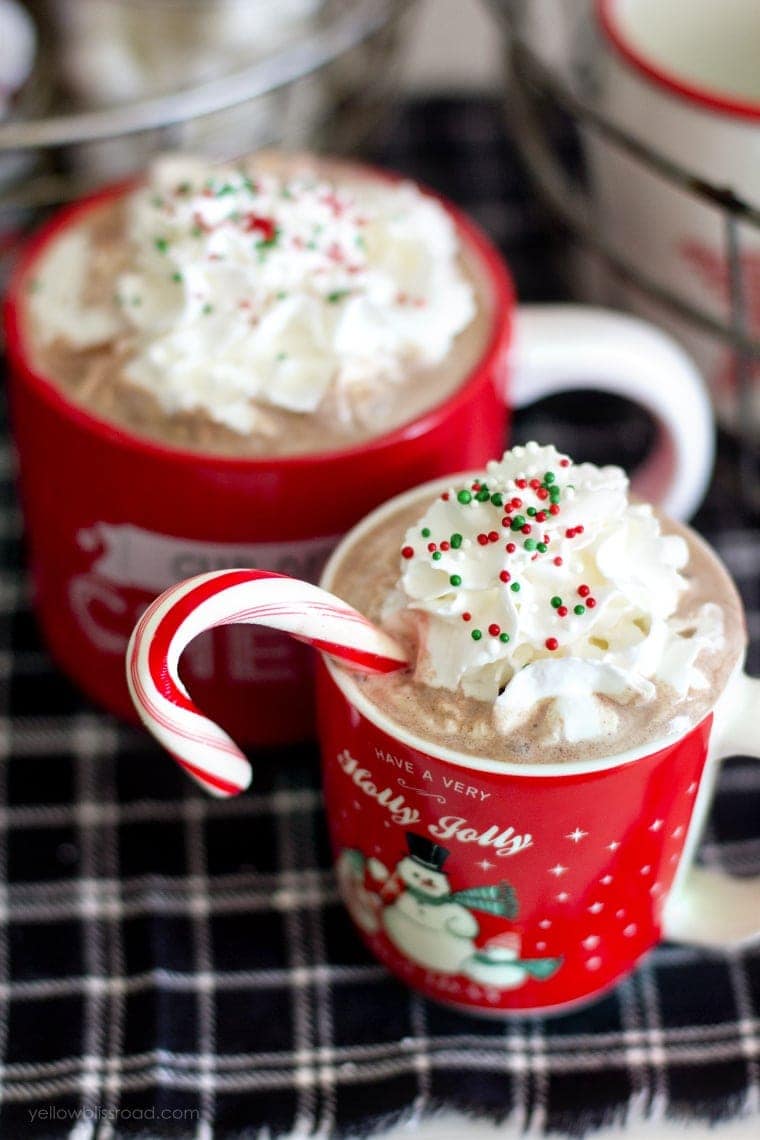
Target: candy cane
point(255, 597)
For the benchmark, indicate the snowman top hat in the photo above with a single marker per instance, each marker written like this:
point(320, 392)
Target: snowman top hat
point(423, 851)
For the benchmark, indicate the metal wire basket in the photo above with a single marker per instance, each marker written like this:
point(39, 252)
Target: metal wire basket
point(350, 48)
point(553, 112)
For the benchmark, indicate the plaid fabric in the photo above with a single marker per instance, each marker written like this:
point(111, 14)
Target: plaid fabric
point(174, 965)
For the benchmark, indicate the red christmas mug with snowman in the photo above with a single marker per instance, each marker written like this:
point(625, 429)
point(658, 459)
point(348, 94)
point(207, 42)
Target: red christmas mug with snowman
point(496, 887)
point(125, 516)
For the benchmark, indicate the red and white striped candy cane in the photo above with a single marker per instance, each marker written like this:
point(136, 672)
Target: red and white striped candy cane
point(254, 597)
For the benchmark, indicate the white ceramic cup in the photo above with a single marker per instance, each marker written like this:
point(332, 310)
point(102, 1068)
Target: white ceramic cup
point(682, 77)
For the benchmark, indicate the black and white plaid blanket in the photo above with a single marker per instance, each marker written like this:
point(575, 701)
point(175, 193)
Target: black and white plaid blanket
point(174, 965)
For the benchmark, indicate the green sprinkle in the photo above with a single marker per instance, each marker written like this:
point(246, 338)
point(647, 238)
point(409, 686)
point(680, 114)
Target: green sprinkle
point(425, 532)
point(183, 188)
point(497, 499)
point(531, 511)
point(281, 295)
point(177, 277)
point(530, 544)
point(437, 556)
point(464, 497)
point(224, 190)
point(504, 637)
point(361, 241)
point(556, 601)
point(483, 495)
point(554, 494)
point(518, 522)
point(515, 587)
point(476, 635)
point(579, 610)
point(161, 245)
point(266, 243)
point(338, 295)
point(455, 580)
point(207, 308)
point(541, 547)
point(456, 541)
point(281, 356)
point(549, 477)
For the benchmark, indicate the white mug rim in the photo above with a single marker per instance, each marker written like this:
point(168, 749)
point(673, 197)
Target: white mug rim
point(348, 686)
point(691, 92)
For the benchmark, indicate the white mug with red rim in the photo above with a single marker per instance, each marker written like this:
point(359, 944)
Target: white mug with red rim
point(498, 888)
point(683, 78)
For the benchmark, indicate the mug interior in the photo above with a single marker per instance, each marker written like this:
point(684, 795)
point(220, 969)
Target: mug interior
point(486, 265)
point(354, 694)
point(699, 49)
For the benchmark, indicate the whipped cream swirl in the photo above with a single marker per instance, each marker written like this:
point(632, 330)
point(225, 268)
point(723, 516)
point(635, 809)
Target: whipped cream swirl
point(249, 288)
point(540, 582)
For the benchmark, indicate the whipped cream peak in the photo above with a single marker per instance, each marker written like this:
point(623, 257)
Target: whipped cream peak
point(538, 581)
point(249, 286)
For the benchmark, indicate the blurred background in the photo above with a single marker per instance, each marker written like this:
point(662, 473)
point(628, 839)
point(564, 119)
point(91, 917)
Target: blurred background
point(91, 89)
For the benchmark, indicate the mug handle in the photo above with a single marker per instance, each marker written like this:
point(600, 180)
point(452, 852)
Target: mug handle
point(712, 908)
point(560, 348)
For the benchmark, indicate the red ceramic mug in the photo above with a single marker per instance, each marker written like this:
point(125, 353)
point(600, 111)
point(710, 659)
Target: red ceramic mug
point(495, 887)
point(112, 519)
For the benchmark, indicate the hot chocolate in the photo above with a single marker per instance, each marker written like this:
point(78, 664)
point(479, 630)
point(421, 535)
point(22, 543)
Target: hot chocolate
point(278, 306)
point(549, 619)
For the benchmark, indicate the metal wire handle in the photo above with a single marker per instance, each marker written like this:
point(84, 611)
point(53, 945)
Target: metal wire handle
point(296, 61)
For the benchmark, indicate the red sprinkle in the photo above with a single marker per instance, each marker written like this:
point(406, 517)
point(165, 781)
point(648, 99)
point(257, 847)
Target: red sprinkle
point(526, 529)
point(445, 496)
point(466, 616)
point(562, 611)
point(516, 504)
point(510, 548)
point(506, 522)
point(541, 517)
point(584, 591)
point(407, 552)
point(579, 530)
point(564, 462)
point(554, 509)
point(493, 536)
point(535, 484)
point(445, 545)
point(542, 493)
point(483, 539)
point(558, 561)
point(590, 603)
point(521, 483)
point(505, 576)
point(494, 630)
point(432, 546)
point(551, 643)
point(254, 223)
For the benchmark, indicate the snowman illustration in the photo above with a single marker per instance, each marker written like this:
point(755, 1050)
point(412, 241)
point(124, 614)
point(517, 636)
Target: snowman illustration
point(431, 925)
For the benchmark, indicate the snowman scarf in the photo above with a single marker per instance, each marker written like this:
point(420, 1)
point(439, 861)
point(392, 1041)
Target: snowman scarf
point(499, 900)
